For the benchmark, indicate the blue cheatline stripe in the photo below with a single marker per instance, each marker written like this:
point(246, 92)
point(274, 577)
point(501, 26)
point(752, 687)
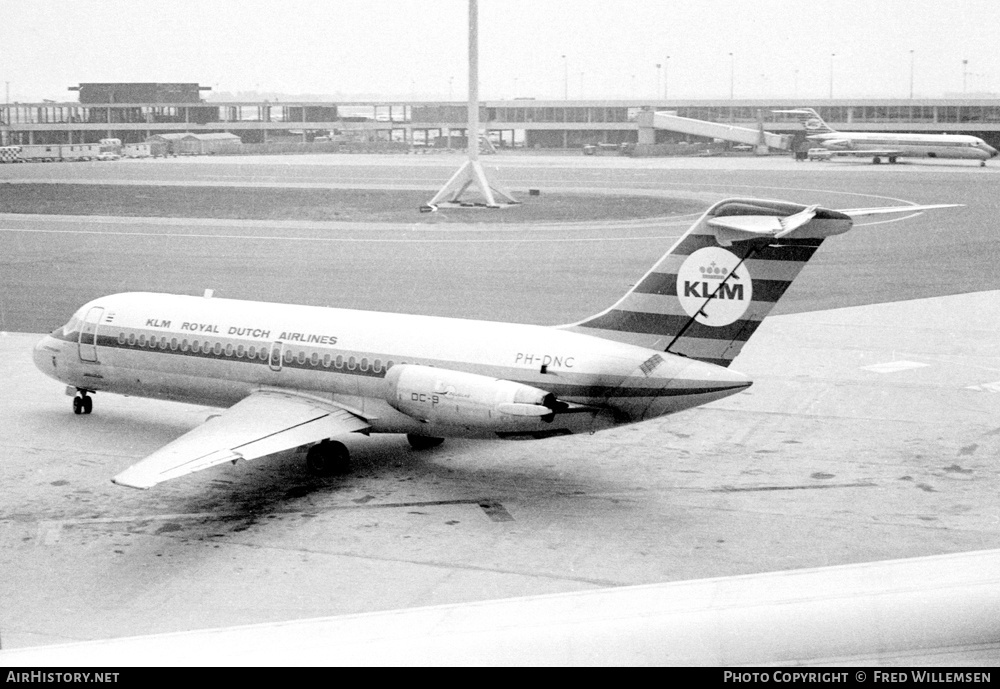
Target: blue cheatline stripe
point(562, 390)
point(663, 324)
point(708, 360)
point(665, 284)
point(782, 250)
point(776, 250)
point(910, 142)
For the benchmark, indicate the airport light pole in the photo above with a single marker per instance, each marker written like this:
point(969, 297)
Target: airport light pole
point(911, 75)
point(666, 77)
point(450, 90)
point(471, 174)
point(965, 74)
point(732, 75)
point(565, 78)
point(832, 55)
point(657, 89)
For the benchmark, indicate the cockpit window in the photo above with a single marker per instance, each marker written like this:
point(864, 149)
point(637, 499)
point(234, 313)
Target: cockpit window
point(74, 324)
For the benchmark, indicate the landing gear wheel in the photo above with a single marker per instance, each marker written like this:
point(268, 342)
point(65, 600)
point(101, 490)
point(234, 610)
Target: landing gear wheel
point(328, 458)
point(422, 442)
point(876, 161)
point(88, 405)
point(892, 161)
point(77, 405)
point(982, 163)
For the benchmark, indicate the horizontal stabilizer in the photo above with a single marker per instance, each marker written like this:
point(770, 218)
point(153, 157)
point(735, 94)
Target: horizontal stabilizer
point(266, 422)
point(737, 228)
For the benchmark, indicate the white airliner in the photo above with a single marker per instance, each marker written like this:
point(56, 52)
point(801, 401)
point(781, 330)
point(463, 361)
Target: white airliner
point(878, 145)
point(292, 376)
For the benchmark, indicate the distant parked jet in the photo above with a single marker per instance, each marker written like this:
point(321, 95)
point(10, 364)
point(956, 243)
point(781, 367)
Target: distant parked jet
point(878, 145)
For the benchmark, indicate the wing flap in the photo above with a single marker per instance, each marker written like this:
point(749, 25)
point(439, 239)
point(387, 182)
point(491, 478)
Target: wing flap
point(266, 422)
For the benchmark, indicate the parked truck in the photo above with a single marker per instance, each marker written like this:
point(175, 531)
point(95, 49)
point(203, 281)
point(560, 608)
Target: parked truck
point(47, 153)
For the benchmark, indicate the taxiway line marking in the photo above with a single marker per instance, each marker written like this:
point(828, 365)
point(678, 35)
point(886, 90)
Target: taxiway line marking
point(355, 240)
point(731, 489)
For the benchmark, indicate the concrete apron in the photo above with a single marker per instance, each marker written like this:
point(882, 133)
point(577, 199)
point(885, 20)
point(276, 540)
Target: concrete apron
point(870, 433)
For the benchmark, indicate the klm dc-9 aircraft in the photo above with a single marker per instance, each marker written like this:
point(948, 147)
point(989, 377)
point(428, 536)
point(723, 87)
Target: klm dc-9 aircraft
point(291, 376)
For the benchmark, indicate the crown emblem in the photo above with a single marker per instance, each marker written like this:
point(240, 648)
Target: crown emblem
point(713, 272)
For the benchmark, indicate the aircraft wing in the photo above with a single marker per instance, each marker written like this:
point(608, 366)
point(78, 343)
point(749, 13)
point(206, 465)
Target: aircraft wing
point(266, 422)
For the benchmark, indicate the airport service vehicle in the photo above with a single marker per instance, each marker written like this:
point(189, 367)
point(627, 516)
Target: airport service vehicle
point(878, 145)
point(47, 153)
point(10, 154)
point(291, 375)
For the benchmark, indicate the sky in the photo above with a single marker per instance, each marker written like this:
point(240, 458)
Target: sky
point(418, 48)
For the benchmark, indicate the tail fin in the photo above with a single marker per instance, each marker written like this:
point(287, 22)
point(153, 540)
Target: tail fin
point(811, 120)
point(707, 295)
point(710, 291)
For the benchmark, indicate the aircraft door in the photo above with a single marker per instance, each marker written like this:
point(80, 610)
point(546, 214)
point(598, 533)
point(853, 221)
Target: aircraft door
point(88, 335)
point(274, 361)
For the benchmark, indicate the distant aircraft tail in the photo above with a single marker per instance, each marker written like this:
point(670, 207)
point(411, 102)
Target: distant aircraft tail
point(811, 120)
point(710, 292)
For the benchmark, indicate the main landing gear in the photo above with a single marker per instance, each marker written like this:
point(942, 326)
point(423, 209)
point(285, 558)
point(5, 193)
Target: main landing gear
point(83, 403)
point(422, 442)
point(328, 458)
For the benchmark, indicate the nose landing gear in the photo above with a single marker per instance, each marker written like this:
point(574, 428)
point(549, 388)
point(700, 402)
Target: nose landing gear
point(83, 403)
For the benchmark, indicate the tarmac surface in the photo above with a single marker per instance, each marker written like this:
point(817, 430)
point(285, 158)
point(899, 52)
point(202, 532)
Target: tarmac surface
point(871, 432)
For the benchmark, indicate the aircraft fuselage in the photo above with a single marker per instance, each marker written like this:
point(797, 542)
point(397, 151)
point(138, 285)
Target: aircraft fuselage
point(909, 145)
point(218, 351)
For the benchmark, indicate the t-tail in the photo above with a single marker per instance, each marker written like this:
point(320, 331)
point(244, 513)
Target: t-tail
point(707, 296)
point(811, 120)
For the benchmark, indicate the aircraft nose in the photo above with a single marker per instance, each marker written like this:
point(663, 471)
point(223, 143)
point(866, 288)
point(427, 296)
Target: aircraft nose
point(44, 353)
point(993, 152)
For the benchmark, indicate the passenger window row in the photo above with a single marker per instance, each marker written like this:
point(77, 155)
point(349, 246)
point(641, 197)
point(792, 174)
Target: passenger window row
point(262, 352)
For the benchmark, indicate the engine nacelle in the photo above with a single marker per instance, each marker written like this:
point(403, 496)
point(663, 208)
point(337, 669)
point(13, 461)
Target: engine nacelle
point(442, 396)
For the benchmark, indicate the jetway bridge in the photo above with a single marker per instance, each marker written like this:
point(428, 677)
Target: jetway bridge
point(761, 140)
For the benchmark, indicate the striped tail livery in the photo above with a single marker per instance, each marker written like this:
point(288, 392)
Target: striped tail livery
point(709, 293)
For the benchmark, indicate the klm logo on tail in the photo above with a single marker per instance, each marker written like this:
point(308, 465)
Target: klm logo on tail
point(714, 287)
point(710, 285)
point(814, 124)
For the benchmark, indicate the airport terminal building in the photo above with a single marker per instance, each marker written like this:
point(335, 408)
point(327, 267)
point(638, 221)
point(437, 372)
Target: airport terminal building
point(136, 112)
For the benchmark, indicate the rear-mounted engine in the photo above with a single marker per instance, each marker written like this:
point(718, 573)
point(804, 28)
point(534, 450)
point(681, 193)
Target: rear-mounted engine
point(449, 397)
